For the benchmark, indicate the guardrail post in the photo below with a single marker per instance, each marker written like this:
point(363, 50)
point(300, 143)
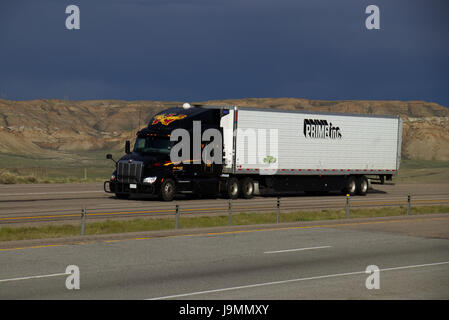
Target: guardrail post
point(408, 204)
point(278, 211)
point(230, 212)
point(83, 220)
point(177, 217)
point(348, 207)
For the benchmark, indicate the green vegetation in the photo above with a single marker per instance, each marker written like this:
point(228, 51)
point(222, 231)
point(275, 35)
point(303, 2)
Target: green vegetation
point(54, 175)
point(7, 177)
point(151, 224)
point(87, 167)
point(423, 171)
point(421, 164)
point(62, 160)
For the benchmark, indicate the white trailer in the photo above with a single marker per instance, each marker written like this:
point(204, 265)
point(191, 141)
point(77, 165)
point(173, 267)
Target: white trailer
point(324, 151)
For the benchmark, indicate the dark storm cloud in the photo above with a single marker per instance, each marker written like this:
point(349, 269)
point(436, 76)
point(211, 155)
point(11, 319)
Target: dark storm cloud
point(206, 49)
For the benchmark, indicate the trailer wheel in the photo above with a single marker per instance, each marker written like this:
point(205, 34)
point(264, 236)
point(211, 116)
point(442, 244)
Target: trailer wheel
point(122, 195)
point(350, 186)
point(232, 188)
point(167, 191)
point(247, 188)
point(362, 186)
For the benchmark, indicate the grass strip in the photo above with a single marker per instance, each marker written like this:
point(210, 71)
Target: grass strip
point(54, 175)
point(152, 224)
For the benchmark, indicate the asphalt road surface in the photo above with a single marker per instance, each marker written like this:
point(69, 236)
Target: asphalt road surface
point(320, 260)
point(25, 204)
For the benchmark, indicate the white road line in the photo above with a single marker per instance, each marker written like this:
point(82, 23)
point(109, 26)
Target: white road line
point(300, 249)
point(294, 280)
point(35, 277)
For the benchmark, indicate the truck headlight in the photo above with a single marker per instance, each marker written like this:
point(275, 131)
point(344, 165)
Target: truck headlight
point(112, 177)
point(150, 180)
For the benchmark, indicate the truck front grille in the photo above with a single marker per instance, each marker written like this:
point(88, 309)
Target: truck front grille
point(129, 172)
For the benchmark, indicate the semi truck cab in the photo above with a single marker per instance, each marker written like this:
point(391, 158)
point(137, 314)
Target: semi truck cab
point(148, 168)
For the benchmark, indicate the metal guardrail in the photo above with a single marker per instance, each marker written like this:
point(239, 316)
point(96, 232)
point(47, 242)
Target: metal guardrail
point(264, 205)
point(191, 211)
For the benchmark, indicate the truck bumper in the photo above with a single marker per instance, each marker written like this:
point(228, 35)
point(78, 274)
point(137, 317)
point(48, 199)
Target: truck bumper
point(119, 187)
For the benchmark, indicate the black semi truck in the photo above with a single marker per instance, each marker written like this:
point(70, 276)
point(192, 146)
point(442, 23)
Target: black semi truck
point(241, 152)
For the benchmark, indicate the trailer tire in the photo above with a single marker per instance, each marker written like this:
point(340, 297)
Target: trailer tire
point(232, 188)
point(362, 186)
point(350, 186)
point(247, 188)
point(168, 190)
point(123, 196)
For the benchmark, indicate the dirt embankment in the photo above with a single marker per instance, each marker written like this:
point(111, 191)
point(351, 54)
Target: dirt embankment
point(52, 127)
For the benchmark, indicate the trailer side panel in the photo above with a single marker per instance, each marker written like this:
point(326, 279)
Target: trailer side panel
point(315, 143)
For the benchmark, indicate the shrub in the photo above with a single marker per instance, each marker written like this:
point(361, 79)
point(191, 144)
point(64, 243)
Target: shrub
point(7, 177)
point(26, 179)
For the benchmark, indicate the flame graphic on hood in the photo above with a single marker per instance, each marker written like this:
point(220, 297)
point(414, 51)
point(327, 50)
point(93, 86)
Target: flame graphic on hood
point(166, 119)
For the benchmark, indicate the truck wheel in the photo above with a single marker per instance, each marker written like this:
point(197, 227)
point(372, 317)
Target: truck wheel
point(247, 188)
point(122, 195)
point(362, 186)
point(350, 186)
point(167, 192)
point(232, 188)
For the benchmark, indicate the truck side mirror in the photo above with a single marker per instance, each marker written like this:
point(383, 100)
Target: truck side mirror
point(109, 157)
point(127, 147)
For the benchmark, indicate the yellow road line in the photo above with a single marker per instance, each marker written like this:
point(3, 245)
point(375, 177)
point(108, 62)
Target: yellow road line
point(33, 247)
point(108, 213)
point(78, 215)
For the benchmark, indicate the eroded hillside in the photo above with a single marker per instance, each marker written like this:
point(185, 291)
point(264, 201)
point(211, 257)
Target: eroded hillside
point(60, 128)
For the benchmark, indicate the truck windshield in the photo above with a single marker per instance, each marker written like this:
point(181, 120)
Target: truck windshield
point(152, 145)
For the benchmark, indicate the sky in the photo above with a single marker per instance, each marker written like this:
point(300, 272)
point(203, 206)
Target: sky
point(194, 50)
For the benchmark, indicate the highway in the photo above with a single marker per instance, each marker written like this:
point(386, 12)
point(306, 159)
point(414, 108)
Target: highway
point(40, 203)
point(319, 260)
